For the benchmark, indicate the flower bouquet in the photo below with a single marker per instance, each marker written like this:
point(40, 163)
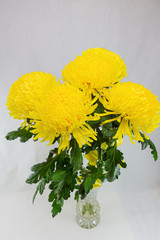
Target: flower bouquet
point(87, 115)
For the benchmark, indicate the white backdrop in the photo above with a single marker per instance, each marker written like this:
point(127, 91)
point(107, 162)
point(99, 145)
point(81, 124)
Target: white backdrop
point(44, 36)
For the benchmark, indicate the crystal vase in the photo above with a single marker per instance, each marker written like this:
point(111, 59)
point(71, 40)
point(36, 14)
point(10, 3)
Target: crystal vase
point(88, 211)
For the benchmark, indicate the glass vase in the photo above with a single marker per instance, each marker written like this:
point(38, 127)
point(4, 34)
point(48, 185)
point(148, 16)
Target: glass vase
point(88, 211)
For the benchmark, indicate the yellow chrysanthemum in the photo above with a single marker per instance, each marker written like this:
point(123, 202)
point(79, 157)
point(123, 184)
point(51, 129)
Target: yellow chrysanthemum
point(137, 107)
point(26, 92)
point(64, 110)
point(96, 69)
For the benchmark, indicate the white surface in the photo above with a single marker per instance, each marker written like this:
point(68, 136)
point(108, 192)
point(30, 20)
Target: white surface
point(46, 35)
point(124, 216)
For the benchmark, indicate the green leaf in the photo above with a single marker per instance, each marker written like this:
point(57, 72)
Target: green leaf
point(42, 170)
point(107, 126)
point(108, 133)
point(88, 185)
point(57, 207)
point(63, 183)
point(58, 175)
point(33, 178)
point(66, 192)
point(38, 167)
point(92, 169)
point(123, 164)
point(22, 133)
point(70, 180)
point(89, 177)
point(48, 173)
point(57, 187)
point(99, 109)
point(76, 197)
point(40, 188)
point(146, 143)
point(114, 174)
point(34, 196)
point(120, 158)
point(86, 148)
point(63, 160)
point(114, 158)
point(76, 155)
point(58, 172)
point(51, 196)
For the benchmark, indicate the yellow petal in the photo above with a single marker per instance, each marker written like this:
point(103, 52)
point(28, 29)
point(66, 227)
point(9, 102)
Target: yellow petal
point(97, 184)
point(92, 157)
point(119, 142)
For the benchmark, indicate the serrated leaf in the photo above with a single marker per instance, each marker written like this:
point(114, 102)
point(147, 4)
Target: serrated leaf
point(92, 169)
point(58, 175)
point(22, 133)
point(37, 167)
point(76, 155)
point(48, 175)
point(57, 207)
point(123, 164)
point(120, 158)
point(56, 187)
point(100, 108)
point(76, 197)
point(154, 150)
point(43, 170)
point(62, 160)
point(66, 192)
point(51, 196)
point(146, 143)
point(88, 184)
point(107, 125)
point(33, 178)
point(86, 148)
point(40, 188)
point(112, 175)
point(34, 196)
point(108, 133)
point(71, 180)
point(114, 159)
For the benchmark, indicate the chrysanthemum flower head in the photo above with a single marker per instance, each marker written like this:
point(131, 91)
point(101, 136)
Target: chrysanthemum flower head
point(137, 108)
point(95, 70)
point(63, 111)
point(26, 92)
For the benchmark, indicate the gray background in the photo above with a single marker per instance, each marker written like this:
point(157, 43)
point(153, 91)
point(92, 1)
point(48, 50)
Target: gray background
point(45, 36)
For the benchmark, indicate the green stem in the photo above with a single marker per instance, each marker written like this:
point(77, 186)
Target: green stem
point(114, 152)
point(100, 151)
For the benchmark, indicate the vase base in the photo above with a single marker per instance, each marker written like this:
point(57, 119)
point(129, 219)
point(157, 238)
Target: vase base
point(88, 215)
point(88, 224)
